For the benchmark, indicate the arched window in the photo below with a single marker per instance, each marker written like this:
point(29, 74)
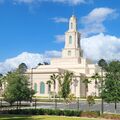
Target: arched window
point(35, 87)
point(69, 53)
point(70, 39)
point(42, 88)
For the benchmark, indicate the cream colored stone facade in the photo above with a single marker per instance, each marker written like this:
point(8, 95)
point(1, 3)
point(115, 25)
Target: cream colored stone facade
point(71, 60)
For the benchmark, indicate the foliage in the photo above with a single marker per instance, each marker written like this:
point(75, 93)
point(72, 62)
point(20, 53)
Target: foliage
point(86, 81)
point(111, 88)
point(67, 79)
point(90, 100)
point(111, 116)
point(53, 79)
point(1, 80)
point(90, 114)
point(71, 97)
point(49, 82)
point(64, 82)
point(46, 117)
point(43, 112)
point(17, 88)
point(60, 82)
point(103, 64)
point(96, 77)
point(52, 112)
point(46, 63)
point(40, 64)
point(22, 68)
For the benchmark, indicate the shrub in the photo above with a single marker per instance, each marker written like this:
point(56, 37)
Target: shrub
point(90, 100)
point(111, 116)
point(52, 112)
point(94, 114)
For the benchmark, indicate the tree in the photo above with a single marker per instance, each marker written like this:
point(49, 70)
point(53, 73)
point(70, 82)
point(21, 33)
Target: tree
point(86, 81)
point(103, 64)
point(111, 88)
point(1, 76)
point(75, 83)
point(67, 79)
point(22, 68)
point(46, 63)
point(96, 77)
point(49, 87)
point(40, 64)
point(60, 82)
point(17, 88)
point(1, 83)
point(71, 97)
point(53, 79)
point(90, 100)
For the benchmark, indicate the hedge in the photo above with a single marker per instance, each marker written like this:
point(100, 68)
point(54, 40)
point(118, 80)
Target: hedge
point(52, 112)
point(76, 113)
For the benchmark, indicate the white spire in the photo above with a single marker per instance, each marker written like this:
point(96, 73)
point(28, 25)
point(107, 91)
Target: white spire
point(73, 23)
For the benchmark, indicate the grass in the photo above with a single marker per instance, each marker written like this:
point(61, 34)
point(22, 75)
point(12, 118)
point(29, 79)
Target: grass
point(15, 117)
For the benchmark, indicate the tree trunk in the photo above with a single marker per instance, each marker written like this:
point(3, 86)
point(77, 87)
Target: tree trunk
point(115, 106)
point(20, 104)
point(88, 107)
point(17, 105)
point(102, 106)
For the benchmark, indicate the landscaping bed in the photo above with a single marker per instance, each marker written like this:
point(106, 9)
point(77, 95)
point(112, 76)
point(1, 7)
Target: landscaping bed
point(71, 113)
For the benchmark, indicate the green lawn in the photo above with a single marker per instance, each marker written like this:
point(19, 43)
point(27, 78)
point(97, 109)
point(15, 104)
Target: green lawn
point(10, 117)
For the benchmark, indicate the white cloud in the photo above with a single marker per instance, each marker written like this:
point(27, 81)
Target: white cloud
point(25, 1)
point(31, 60)
point(60, 38)
point(101, 46)
point(69, 2)
point(60, 20)
point(52, 54)
point(94, 22)
point(94, 47)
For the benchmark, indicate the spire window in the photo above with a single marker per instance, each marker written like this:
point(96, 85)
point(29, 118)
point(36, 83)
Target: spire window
point(70, 39)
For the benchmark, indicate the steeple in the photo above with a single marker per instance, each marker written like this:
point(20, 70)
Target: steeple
point(72, 40)
point(73, 23)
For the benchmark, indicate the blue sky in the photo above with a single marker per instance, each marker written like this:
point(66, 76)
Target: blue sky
point(37, 27)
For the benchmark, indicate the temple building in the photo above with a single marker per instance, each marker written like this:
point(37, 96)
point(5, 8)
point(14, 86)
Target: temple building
point(71, 60)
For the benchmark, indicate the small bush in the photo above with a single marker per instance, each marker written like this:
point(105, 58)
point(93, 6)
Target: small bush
point(90, 114)
point(58, 112)
point(111, 116)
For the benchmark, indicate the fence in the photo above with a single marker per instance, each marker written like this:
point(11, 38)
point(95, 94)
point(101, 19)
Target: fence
point(80, 104)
